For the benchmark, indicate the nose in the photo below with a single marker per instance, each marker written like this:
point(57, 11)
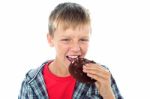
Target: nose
point(75, 47)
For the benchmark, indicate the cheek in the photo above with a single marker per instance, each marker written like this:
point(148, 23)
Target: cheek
point(62, 48)
point(84, 48)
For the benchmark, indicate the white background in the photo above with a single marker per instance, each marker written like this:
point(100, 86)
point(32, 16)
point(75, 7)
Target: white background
point(120, 40)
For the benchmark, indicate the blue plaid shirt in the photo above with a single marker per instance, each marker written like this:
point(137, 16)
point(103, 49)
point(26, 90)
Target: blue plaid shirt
point(33, 87)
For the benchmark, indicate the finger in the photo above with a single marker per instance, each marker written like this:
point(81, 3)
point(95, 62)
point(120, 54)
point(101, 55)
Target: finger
point(95, 67)
point(97, 73)
point(97, 78)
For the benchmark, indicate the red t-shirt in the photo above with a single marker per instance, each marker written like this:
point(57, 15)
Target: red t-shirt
point(58, 87)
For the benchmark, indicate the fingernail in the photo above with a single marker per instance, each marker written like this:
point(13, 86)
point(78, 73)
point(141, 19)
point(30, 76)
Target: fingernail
point(84, 70)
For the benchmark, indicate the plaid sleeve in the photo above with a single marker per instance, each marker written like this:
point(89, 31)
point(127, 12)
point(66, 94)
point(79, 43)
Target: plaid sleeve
point(115, 89)
point(33, 86)
point(27, 92)
point(24, 91)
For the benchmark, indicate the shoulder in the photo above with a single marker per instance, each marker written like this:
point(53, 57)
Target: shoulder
point(33, 81)
point(33, 73)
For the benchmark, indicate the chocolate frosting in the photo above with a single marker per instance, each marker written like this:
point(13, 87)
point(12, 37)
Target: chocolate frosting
point(76, 70)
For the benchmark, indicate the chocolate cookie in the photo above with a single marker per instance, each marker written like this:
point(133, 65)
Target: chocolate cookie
point(76, 70)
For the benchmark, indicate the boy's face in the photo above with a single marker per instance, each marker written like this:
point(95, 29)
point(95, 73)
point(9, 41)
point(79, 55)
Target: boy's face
point(70, 43)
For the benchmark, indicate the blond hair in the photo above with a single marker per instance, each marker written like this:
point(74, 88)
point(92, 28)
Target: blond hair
point(68, 15)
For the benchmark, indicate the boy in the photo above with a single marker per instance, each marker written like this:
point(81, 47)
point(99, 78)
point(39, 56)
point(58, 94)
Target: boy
point(69, 31)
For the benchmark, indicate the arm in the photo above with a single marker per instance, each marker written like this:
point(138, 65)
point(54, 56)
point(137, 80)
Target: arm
point(115, 88)
point(24, 91)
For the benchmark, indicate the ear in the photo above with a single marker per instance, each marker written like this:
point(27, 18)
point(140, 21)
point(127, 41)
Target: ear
point(50, 40)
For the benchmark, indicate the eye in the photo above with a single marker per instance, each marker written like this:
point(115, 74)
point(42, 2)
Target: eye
point(65, 40)
point(84, 40)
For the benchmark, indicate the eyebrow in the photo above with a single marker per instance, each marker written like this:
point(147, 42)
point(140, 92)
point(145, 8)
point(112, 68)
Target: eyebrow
point(81, 36)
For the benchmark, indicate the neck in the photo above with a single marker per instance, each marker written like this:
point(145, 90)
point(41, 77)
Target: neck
point(59, 70)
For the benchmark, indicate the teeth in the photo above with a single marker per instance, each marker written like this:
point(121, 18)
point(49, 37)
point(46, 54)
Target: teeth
point(72, 56)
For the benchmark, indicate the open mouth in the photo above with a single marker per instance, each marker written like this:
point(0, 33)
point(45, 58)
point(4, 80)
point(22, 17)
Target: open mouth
point(72, 58)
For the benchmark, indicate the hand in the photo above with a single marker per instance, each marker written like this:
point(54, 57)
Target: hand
point(102, 77)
